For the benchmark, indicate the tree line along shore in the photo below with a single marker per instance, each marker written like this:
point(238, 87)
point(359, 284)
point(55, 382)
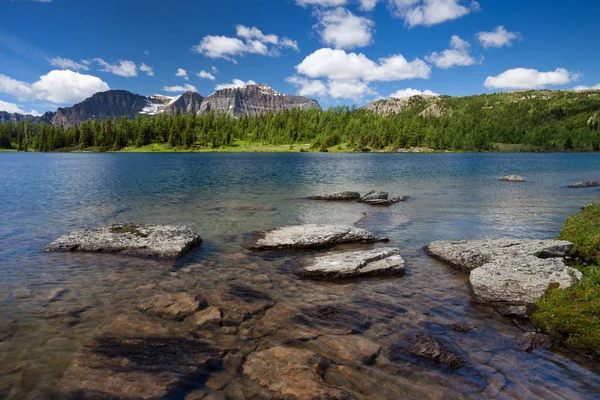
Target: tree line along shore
point(520, 121)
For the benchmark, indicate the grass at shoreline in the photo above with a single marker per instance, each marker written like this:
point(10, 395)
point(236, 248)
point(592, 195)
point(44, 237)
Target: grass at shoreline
point(573, 314)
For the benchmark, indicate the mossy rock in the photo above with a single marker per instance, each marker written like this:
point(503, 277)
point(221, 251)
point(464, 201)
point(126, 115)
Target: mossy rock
point(583, 230)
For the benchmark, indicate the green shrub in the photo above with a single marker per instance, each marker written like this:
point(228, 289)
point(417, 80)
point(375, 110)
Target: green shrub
point(583, 229)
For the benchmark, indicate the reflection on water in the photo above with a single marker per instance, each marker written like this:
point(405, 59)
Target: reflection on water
point(56, 307)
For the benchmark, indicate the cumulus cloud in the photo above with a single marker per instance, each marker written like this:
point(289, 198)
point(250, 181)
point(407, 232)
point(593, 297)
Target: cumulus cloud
point(179, 88)
point(581, 88)
point(431, 12)
point(236, 83)
point(499, 37)
point(341, 29)
point(336, 64)
point(409, 92)
point(456, 55)
point(67, 63)
point(148, 70)
point(248, 41)
point(124, 68)
point(14, 108)
point(182, 73)
point(308, 87)
point(57, 86)
point(523, 78)
point(368, 5)
point(206, 75)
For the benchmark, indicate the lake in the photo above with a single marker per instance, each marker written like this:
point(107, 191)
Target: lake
point(54, 305)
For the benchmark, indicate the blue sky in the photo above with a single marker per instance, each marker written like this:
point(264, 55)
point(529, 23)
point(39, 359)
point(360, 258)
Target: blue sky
point(59, 52)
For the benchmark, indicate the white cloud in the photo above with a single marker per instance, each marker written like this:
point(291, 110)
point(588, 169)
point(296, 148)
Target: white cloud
point(249, 41)
point(124, 68)
point(339, 65)
point(457, 55)
point(322, 3)
point(182, 73)
point(499, 37)
point(409, 92)
point(523, 78)
point(343, 30)
point(308, 87)
point(14, 108)
point(57, 86)
point(237, 83)
point(367, 5)
point(214, 69)
point(67, 63)
point(148, 70)
point(582, 88)
point(178, 88)
point(206, 75)
point(431, 12)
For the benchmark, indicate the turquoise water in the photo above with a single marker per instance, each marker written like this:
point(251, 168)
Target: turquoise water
point(452, 196)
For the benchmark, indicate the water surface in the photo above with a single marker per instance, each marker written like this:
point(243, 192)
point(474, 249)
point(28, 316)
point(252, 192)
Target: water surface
point(452, 196)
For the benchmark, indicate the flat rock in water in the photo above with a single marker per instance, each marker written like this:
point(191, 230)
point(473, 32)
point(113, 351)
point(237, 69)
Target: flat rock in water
point(584, 184)
point(238, 302)
point(429, 347)
point(170, 305)
point(310, 236)
point(352, 264)
point(340, 196)
point(520, 280)
point(467, 255)
point(162, 241)
point(512, 178)
point(292, 373)
point(532, 340)
point(353, 348)
point(374, 198)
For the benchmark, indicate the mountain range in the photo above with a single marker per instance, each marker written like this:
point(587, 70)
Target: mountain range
point(249, 100)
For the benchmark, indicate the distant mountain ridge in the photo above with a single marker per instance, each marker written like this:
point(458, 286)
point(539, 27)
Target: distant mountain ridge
point(249, 100)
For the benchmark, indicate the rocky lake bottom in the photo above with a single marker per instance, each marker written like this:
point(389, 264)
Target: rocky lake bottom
point(77, 325)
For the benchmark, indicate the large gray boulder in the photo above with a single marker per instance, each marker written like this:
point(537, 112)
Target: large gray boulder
point(509, 274)
point(162, 241)
point(520, 280)
point(309, 236)
point(352, 264)
point(466, 255)
point(340, 196)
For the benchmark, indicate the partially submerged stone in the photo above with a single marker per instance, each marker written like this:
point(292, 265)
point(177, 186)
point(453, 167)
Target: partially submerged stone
point(352, 264)
point(512, 178)
point(310, 236)
point(375, 198)
point(520, 280)
point(292, 373)
point(509, 274)
point(429, 347)
point(162, 241)
point(170, 305)
point(532, 340)
point(466, 255)
point(584, 184)
point(339, 196)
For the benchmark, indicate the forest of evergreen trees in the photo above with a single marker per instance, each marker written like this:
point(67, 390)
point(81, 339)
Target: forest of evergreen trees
point(537, 120)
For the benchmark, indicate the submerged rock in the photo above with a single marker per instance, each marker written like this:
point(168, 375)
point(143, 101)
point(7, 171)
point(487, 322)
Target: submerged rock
point(429, 347)
point(340, 196)
point(512, 178)
point(585, 184)
point(170, 305)
point(352, 264)
point(210, 314)
point(238, 302)
point(310, 236)
point(466, 255)
point(520, 280)
point(532, 340)
point(163, 241)
point(353, 348)
point(292, 373)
